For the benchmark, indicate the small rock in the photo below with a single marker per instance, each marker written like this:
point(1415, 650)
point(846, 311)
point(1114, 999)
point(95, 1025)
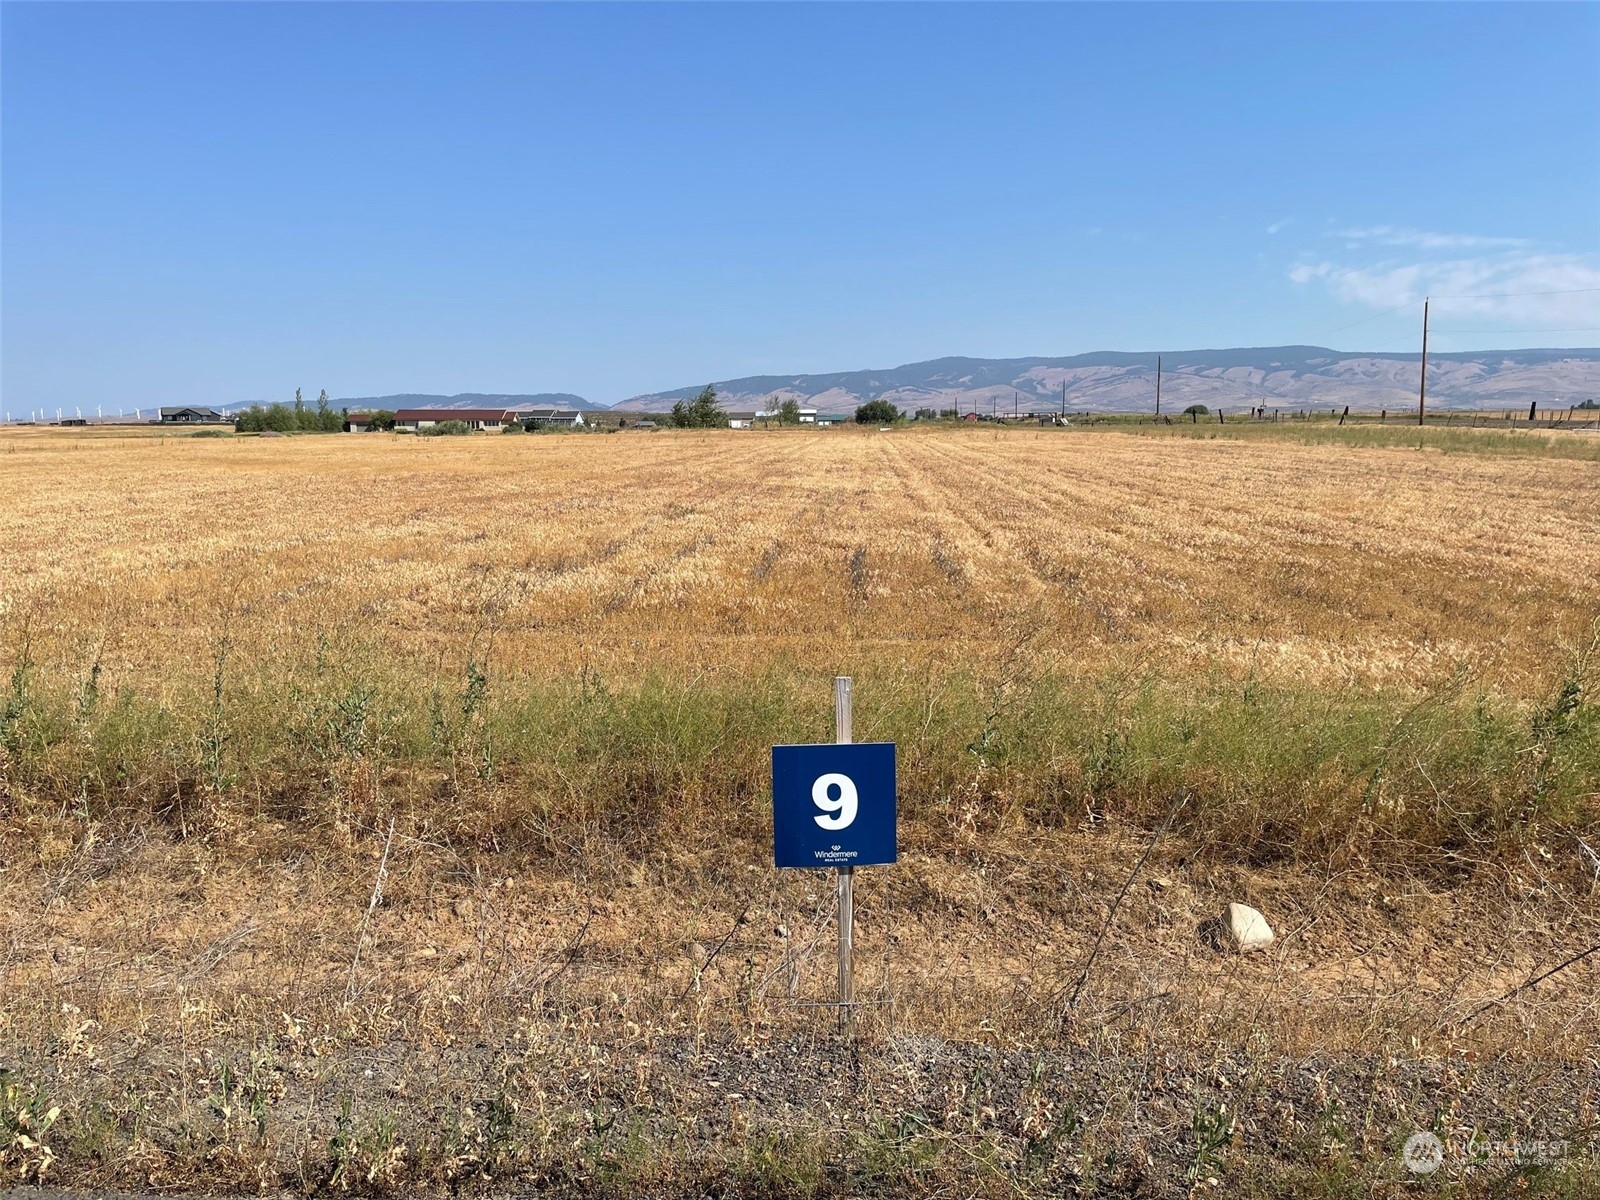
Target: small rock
point(1246, 928)
point(697, 954)
point(463, 908)
point(782, 931)
point(1160, 883)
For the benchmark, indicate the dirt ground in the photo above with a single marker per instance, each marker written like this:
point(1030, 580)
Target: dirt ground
point(207, 1024)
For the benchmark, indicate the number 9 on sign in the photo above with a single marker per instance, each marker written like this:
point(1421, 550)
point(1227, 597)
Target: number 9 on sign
point(843, 809)
point(833, 805)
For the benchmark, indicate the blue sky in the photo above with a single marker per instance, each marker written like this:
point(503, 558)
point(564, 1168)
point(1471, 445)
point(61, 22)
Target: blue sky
point(221, 202)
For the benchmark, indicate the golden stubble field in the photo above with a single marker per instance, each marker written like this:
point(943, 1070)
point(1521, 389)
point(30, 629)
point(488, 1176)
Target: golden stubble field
point(369, 918)
point(728, 549)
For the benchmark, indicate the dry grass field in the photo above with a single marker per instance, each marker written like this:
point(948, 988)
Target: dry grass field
point(380, 812)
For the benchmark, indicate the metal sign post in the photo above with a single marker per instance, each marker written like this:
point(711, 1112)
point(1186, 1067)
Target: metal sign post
point(847, 881)
point(833, 805)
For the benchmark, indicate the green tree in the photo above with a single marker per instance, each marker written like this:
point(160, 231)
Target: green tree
point(305, 419)
point(251, 420)
point(382, 419)
point(705, 412)
point(877, 412)
point(328, 421)
point(1196, 410)
point(789, 412)
point(680, 415)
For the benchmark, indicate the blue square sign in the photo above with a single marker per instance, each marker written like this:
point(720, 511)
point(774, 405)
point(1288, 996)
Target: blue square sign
point(833, 805)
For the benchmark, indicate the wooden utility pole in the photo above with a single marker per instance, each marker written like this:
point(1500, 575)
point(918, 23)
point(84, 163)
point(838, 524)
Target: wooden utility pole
point(1422, 384)
point(1158, 387)
point(842, 734)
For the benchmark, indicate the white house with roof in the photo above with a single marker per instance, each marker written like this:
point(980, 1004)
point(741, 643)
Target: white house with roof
point(190, 415)
point(552, 418)
point(416, 419)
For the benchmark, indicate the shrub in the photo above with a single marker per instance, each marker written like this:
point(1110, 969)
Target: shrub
point(278, 418)
point(877, 412)
point(446, 429)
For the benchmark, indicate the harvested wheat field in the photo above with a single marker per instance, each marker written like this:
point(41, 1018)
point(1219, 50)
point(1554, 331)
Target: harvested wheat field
point(388, 813)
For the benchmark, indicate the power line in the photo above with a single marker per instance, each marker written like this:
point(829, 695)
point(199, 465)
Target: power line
point(1515, 295)
point(1373, 317)
point(1474, 296)
point(1578, 329)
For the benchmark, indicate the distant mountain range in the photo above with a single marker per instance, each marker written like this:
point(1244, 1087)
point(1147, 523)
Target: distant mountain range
point(469, 400)
point(1109, 381)
point(1112, 381)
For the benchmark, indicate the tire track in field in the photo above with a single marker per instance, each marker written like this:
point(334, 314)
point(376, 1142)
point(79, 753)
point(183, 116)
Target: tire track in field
point(1143, 542)
point(1009, 552)
point(744, 477)
point(1127, 550)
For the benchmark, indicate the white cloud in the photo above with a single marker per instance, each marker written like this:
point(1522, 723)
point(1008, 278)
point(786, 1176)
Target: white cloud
point(1422, 239)
point(1518, 288)
point(1279, 226)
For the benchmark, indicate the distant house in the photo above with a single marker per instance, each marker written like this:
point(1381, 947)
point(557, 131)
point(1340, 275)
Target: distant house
point(743, 420)
point(415, 419)
point(807, 416)
point(189, 416)
point(358, 422)
point(831, 418)
point(552, 418)
point(645, 424)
